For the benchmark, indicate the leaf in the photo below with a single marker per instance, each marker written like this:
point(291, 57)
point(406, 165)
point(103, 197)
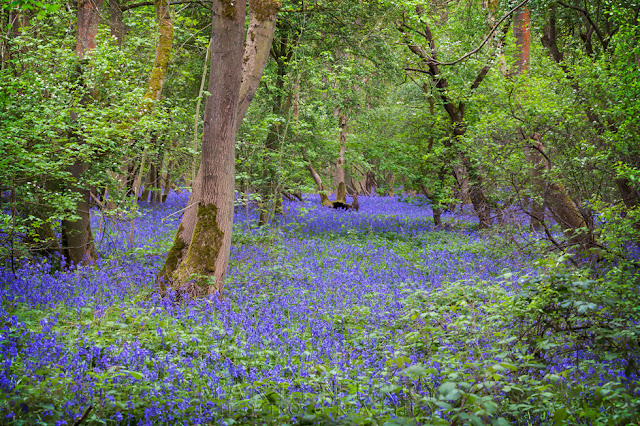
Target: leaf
point(415, 370)
point(136, 375)
point(559, 415)
point(449, 391)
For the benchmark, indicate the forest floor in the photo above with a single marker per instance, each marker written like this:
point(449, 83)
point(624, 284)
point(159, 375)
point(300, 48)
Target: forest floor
point(330, 317)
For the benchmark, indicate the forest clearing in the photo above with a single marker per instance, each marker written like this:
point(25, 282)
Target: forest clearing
point(331, 212)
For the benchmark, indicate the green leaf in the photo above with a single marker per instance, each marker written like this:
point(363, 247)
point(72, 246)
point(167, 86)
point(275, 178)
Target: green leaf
point(559, 415)
point(136, 375)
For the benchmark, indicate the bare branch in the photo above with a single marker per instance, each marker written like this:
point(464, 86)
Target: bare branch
point(150, 3)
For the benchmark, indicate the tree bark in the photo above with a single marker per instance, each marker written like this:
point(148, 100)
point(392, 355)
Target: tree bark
point(343, 147)
point(116, 24)
point(163, 53)
point(77, 239)
point(257, 46)
point(204, 267)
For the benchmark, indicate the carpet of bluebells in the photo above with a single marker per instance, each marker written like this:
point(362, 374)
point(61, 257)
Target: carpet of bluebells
point(328, 317)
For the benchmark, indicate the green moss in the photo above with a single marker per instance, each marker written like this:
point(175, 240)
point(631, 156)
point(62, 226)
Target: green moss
point(173, 259)
point(228, 8)
point(265, 9)
point(204, 248)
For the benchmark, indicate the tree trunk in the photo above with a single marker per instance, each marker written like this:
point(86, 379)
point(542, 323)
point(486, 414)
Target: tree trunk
point(204, 268)
point(256, 53)
point(324, 199)
point(522, 34)
point(116, 24)
point(455, 111)
point(343, 147)
point(196, 118)
point(566, 213)
point(77, 238)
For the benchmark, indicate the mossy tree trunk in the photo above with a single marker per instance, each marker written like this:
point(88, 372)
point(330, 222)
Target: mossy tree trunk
point(259, 37)
point(203, 269)
point(154, 89)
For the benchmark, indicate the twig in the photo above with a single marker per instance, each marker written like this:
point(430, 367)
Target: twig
point(84, 416)
point(487, 38)
point(179, 211)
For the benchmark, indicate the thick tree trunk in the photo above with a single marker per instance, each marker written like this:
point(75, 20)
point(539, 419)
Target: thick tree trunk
point(522, 34)
point(256, 53)
point(204, 268)
point(566, 213)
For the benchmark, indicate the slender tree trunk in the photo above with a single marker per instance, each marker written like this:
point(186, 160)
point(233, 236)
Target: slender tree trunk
point(163, 53)
point(324, 199)
point(76, 234)
point(455, 111)
point(343, 147)
point(116, 24)
point(256, 53)
point(196, 118)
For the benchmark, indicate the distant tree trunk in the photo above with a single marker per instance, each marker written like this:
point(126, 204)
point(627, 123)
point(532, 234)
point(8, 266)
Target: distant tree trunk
point(256, 53)
point(537, 209)
point(163, 53)
point(282, 53)
point(343, 147)
point(196, 118)
point(532, 148)
point(77, 239)
point(116, 24)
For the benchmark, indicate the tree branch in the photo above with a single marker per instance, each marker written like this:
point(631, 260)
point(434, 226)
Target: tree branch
point(488, 37)
point(586, 14)
point(126, 7)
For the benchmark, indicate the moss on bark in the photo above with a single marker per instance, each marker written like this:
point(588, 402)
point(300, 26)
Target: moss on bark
point(200, 262)
point(341, 196)
point(265, 9)
point(173, 259)
point(228, 9)
point(163, 53)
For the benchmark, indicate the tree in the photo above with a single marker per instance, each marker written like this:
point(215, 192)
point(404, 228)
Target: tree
point(77, 239)
point(430, 65)
point(203, 241)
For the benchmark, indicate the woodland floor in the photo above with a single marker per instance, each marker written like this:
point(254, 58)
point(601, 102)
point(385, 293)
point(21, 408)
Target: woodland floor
point(330, 317)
